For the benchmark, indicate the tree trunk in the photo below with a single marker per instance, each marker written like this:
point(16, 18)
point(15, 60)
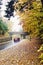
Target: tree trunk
point(42, 2)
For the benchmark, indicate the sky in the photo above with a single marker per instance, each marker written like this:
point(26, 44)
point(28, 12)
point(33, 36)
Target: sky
point(16, 20)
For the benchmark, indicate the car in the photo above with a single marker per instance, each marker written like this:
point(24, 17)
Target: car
point(16, 39)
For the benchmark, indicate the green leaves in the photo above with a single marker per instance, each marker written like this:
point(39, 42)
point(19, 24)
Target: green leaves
point(3, 27)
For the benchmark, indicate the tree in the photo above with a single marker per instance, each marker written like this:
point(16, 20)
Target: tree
point(31, 15)
point(3, 27)
point(42, 2)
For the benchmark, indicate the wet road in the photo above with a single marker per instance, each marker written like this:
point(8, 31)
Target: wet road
point(8, 44)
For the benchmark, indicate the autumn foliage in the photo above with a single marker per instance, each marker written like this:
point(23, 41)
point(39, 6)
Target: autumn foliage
point(31, 14)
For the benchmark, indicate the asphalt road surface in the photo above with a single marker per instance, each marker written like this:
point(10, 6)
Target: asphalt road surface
point(8, 44)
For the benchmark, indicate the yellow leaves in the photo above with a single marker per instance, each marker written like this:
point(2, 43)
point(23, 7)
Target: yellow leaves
point(22, 1)
point(41, 55)
point(18, 6)
point(31, 24)
point(41, 61)
point(41, 48)
point(31, 17)
point(37, 5)
point(41, 36)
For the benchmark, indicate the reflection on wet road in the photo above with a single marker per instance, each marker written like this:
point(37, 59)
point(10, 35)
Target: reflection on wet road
point(8, 45)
